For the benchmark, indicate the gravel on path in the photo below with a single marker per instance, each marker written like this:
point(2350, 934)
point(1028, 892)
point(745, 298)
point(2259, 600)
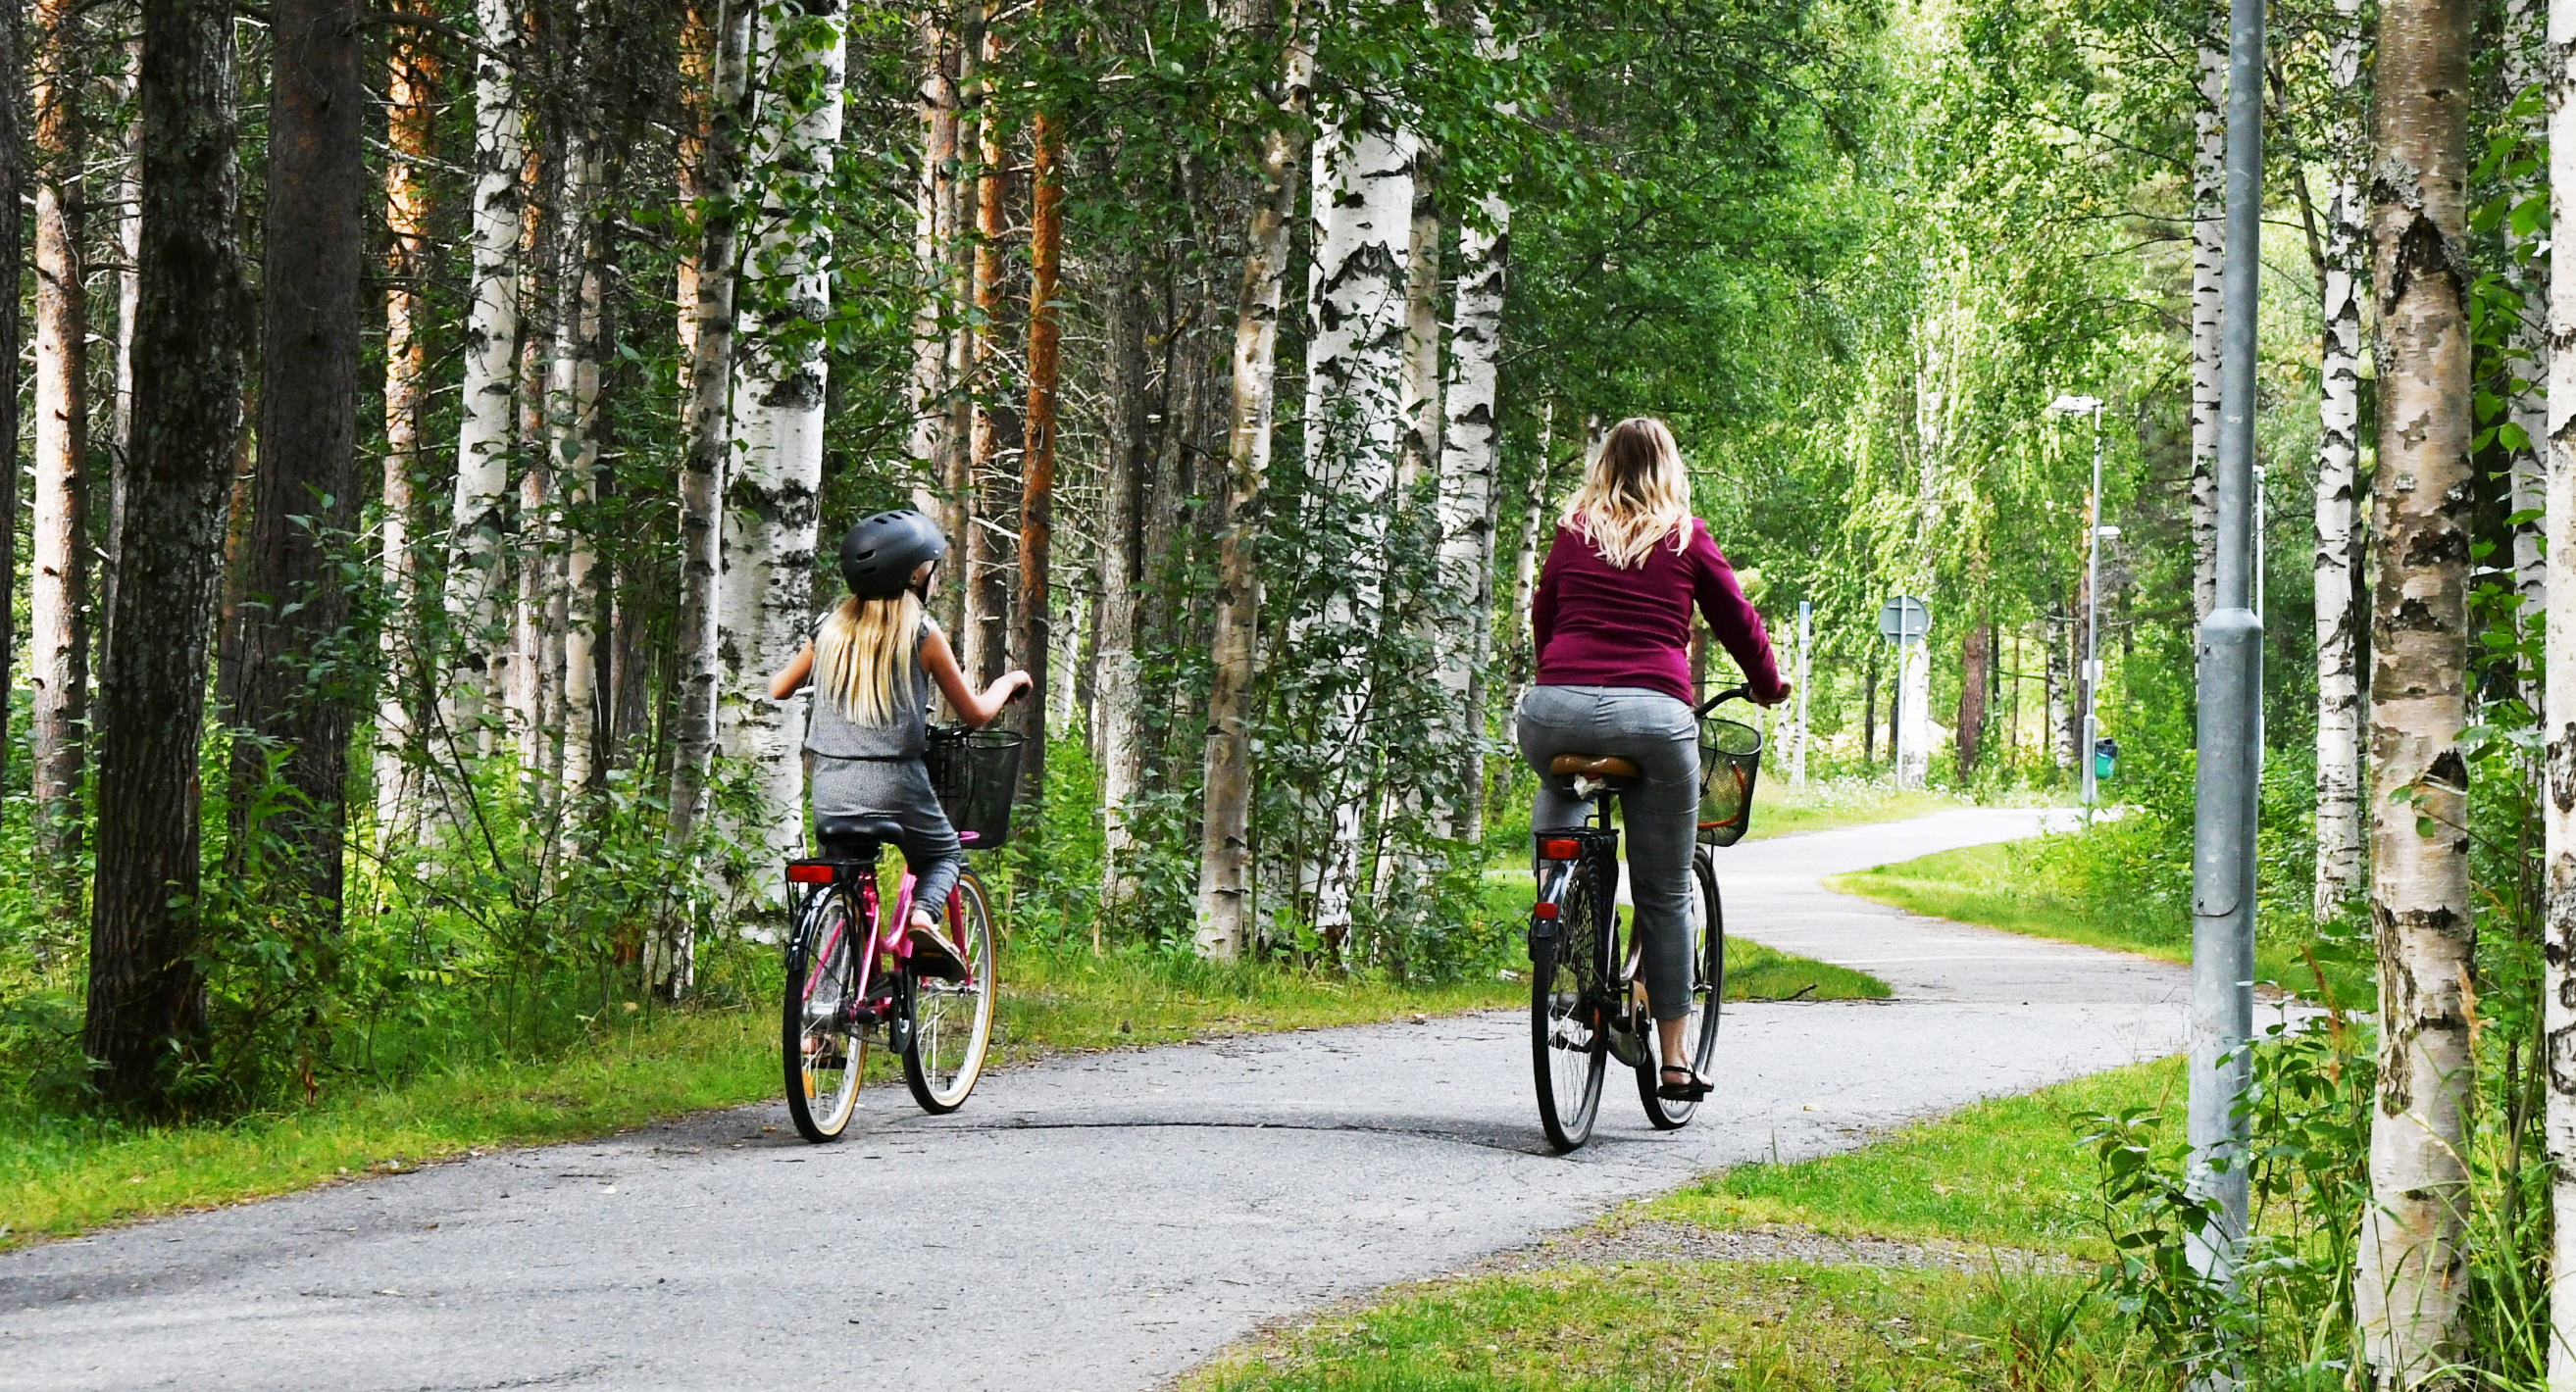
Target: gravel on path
point(1094, 1222)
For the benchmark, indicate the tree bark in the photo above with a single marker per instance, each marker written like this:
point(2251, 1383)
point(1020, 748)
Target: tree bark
point(58, 589)
point(670, 956)
point(2558, 809)
point(411, 95)
point(13, 187)
point(1469, 503)
point(1976, 657)
point(304, 505)
point(1119, 734)
point(984, 636)
point(476, 676)
point(1037, 460)
point(574, 386)
point(144, 992)
point(2339, 615)
point(2411, 1266)
point(2526, 272)
point(1363, 210)
point(1225, 846)
point(933, 231)
point(772, 493)
point(2208, 260)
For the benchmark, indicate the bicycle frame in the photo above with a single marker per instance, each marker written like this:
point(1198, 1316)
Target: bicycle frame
point(871, 907)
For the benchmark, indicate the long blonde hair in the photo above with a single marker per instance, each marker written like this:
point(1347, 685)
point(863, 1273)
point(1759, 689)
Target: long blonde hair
point(863, 652)
point(1634, 495)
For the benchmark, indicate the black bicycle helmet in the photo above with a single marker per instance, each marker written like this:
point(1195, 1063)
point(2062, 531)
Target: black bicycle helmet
point(879, 555)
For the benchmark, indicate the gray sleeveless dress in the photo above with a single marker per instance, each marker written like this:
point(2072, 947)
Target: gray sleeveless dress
point(876, 770)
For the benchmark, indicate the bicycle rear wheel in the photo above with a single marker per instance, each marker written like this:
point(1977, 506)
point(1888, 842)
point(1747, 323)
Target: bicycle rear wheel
point(821, 1040)
point(952, 1020)
point(1708, 990)
point(1569, 1044)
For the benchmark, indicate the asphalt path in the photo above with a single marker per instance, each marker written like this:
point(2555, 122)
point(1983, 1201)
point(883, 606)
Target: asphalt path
point(1096, 1222)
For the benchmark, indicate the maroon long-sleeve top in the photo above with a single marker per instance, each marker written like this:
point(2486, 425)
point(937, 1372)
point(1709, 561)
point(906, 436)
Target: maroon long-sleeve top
point(1599, 626)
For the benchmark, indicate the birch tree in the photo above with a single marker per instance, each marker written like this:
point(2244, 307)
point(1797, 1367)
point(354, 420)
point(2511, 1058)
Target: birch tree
point(13, 188)
point(58, 588)
point(1225, 846)
point(2558, 724)
point(1364, 180)
point(410, 122)
point(2339, 616)
point(572, 389)
point(1469, 501)
point(2208, 263)
point(486, 419)
point(2526, 273)
point(1118, 728)
point(767, 590)
point(2411, 1274)
point(670, 952)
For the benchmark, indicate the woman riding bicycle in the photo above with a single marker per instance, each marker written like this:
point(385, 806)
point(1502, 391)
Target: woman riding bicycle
point(1611, 620)
point(868, 727)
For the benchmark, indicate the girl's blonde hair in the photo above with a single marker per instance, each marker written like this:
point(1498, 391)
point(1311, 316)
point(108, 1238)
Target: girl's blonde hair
point(864, 651)
point(1634, 495)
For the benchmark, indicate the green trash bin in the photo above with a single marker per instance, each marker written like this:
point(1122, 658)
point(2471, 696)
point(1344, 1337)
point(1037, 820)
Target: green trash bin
point(2106, 758)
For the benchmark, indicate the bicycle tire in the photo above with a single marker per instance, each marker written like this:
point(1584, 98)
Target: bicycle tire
point(1708, 994)
point(823, 1049)
point(1569, 1043)
point(952, 1021)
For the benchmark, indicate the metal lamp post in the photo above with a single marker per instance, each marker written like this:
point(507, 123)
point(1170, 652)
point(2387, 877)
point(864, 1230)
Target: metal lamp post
point(2094, 531)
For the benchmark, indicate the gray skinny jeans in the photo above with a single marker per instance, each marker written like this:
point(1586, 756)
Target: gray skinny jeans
point(1660, 813)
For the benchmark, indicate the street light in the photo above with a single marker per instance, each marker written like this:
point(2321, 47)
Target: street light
point(2094, 534)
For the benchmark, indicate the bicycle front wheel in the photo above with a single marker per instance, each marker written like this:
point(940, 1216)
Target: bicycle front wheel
point(1707, 992)
point(820, 1036)
point(1569, 1037)
point(952, 1019)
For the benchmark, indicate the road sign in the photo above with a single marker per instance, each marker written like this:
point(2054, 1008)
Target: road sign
point(1904, 619)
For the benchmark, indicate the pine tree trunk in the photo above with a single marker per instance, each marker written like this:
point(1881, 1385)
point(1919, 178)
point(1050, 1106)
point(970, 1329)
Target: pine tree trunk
point(2526, 272)
point(983, 650)
point(1363, 213)
point(2208, 259)
point(670, 957)
point(1976, 657)
point(1037, 460)
point(2411, 1266)
point(932, 233)
point(1469, 501)
point(474, 556)
point(411, 95)
point(13, 188)
point(1225, 847)
point(144, 992)
point(2558, 809)
point(304, 506)
point(2339, 615)
point(1118, 733)
point(58, 588)
point(773, 492)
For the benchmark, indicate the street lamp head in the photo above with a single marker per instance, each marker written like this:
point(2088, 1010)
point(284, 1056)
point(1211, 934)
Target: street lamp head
point(2075, 405)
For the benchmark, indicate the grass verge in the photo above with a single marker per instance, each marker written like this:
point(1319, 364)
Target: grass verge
point(1781, 808)
point(2001, 886)
point(2003, 1177)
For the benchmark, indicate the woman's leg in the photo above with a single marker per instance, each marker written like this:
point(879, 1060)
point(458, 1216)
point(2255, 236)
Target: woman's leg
point(1661, 818)
point(1552, 720)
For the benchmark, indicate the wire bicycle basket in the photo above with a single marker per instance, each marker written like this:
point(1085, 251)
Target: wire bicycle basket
point(1730, 759)
point(975, 774)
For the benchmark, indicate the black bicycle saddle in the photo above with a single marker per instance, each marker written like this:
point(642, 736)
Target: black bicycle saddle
point(833, 833)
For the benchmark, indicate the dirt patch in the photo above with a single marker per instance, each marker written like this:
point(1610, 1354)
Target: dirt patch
point(1663, 1241)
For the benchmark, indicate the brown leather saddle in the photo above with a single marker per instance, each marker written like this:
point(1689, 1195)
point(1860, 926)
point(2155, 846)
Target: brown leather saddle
point(1600, 767)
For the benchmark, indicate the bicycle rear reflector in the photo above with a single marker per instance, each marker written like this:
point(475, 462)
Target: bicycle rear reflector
point(809, 872)
point(1542, 910)
point(1566, 849)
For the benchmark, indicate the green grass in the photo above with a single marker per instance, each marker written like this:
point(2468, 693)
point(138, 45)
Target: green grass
point(2006, 886)
point(2003, 1174)
point(1758, 973)
point(1783, 809)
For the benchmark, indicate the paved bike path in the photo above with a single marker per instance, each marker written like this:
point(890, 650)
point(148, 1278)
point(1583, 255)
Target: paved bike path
point(1099, 1222)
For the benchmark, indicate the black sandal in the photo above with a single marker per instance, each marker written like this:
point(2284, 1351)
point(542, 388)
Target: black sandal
point(1693, 1090)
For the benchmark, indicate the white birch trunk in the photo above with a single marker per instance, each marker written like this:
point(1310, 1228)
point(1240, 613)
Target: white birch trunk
point(1468, 503)
point(1118, 728)
point(772, 495)
point(932, 232)
point(2558, 810)
point(2526, 270)
point(474, 557)
point(2339, 618)
point(2208, 262)
point(531, 550)
point(1354, 426)
point(410, 97)
point(573, 408)
point(2412, 1269)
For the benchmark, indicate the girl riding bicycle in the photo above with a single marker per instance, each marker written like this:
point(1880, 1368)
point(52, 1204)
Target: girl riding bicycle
point(877, 653)
point(1611, 620)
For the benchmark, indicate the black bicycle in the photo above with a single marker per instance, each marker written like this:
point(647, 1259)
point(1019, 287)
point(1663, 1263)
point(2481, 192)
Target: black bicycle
point(1587, 1001)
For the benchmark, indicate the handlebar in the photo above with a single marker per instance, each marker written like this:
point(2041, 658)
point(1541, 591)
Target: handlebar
point(1732, 693)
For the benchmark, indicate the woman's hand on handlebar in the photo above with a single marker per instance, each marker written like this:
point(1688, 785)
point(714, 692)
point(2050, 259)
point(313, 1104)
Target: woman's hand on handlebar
point(1785, 686)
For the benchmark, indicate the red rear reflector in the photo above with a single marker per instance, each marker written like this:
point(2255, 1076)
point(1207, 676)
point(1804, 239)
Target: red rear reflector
point(1543, 911)
point(801, 872)
point(1560, 850)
